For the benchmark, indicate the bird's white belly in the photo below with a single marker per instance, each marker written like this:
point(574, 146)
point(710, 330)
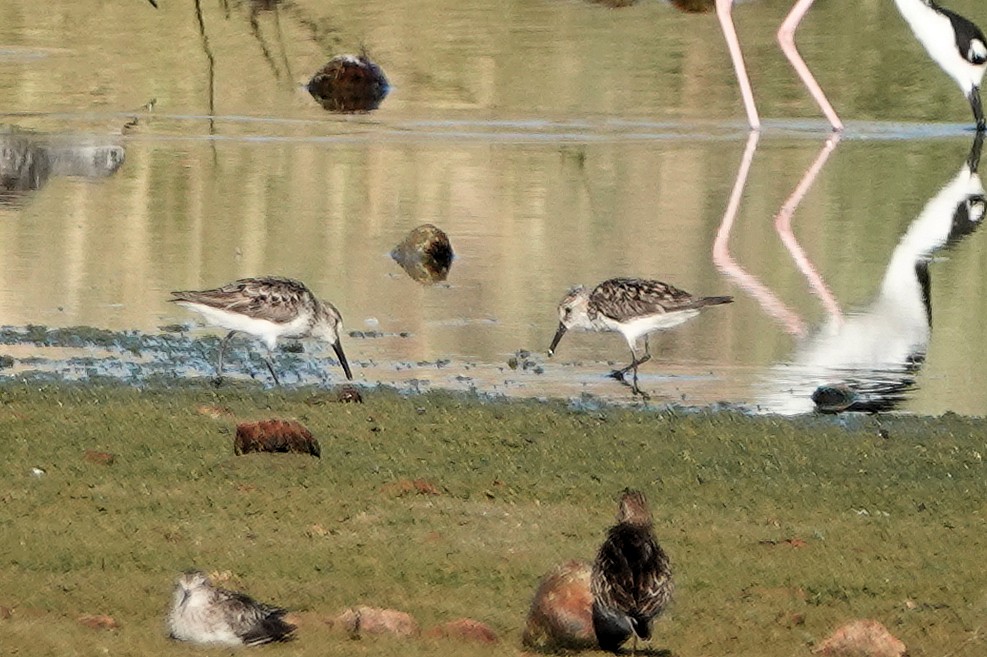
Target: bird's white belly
point(633, 329)
point(201, 626)
point(266, 330)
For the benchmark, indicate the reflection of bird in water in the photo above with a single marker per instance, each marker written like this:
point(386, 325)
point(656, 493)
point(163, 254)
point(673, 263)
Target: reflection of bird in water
point(864, 360)
point(786, 38)
point(956, 44)
point(633, 306)
point(631, 579)
point(202, 613)
point(268, 308)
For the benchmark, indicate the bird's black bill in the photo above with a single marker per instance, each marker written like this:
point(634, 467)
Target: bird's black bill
point(978, 110)
point(557, 338)
point(338, 348)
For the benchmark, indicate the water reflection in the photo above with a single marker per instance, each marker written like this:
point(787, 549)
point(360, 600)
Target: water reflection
point(865, 360)
point(28, 161)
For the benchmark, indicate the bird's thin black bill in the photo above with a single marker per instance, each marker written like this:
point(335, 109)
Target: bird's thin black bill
point(557, 338)
point(338, 348)
point(978, 110)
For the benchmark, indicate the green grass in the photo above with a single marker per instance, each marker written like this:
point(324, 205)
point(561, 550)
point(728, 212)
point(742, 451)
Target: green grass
point(894, 527)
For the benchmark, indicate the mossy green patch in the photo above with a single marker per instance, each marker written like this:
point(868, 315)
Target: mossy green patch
point(779, 530)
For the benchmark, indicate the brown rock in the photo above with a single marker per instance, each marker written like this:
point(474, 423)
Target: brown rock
point(100, 458)
point(349, 395)
point(214, 411)
point(349, 83)
point(403, 487)
point(465, 629)
point(368, 621)
point(274, 436)
point(425, 254)
point(561, 613)
point(861, 638)
point(98, 622)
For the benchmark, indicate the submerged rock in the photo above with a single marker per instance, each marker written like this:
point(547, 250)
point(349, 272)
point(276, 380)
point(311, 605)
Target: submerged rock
point(349, 83)
point(425, 254)
point(561, 613)
point(275, 436)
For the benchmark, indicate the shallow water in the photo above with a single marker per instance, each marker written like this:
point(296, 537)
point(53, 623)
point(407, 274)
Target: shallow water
point(556, 142)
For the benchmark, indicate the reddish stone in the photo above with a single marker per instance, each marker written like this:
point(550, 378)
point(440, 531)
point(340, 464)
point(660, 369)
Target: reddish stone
point(465, 629)
point(100, 458)
point(275, 436)
point(98, 622)
point(362, 620)
point(861, 638)
point(561, 613)
point(403, 487)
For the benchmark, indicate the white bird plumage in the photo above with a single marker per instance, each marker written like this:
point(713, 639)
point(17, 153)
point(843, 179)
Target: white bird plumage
point(203, 613)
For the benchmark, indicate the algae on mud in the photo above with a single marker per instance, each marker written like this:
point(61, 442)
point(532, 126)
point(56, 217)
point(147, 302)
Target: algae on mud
point(778, 530)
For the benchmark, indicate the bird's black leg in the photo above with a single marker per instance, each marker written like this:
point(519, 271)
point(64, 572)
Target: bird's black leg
point(219, 363)
point(978, 111)
point(269, 361)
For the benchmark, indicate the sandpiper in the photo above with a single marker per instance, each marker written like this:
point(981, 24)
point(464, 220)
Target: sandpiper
point(956, 44)
point(631, 580)
point(203, 613)
point(268, 308)
point(633, 306)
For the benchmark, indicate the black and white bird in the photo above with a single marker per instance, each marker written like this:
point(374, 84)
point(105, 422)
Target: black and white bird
point(631, 580)
point(268, 308)
point(633, 306)
point(203, 613)
point(955, 43)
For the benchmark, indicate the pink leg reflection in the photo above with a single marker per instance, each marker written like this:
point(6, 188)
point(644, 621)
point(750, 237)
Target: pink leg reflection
point(726, 264)
point(783, 224)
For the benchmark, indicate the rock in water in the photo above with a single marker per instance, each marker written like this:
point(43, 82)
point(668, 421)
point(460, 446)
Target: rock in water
point(425, 254)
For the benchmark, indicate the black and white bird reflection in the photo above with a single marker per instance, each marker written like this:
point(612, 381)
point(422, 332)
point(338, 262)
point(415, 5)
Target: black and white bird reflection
point(867, 360)
point(206, 614)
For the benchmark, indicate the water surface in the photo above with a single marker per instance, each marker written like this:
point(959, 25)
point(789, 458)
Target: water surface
point(555, 142)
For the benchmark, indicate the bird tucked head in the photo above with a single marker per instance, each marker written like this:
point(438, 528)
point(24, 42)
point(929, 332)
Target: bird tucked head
point(634, 508)
point(191, 580)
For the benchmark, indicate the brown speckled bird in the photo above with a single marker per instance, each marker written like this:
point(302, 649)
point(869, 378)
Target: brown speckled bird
point(633, 306)
point(632, 579)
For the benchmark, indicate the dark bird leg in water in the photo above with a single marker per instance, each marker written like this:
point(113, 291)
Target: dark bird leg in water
point(635, 361)
point(219, 363)
point(269, 361)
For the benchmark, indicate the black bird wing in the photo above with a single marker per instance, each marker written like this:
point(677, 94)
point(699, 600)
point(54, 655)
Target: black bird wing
point(272, 298)
point(255, 622)
point(626, 298)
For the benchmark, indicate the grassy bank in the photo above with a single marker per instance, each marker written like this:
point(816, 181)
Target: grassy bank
point(779, 530)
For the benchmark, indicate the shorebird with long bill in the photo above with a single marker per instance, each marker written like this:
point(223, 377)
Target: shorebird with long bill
point(634, 307)
point(268, 308)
